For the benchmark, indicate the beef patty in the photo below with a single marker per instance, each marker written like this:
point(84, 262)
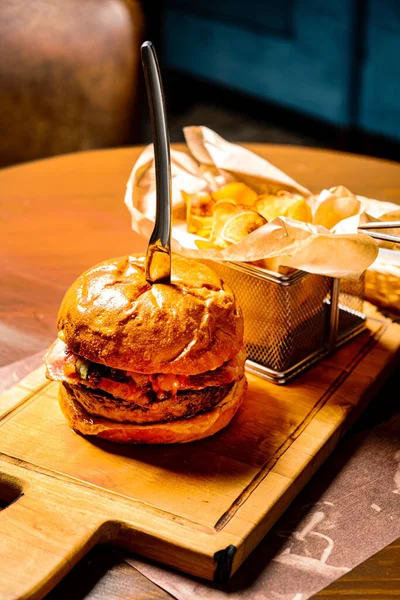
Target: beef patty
point(183, 405)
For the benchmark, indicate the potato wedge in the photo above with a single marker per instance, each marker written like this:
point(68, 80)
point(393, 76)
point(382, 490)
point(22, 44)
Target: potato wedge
point(199, 212)
point(222, 212)
point(238, 192)
point(271, 206)
point(241, 224)
point(207, 245)
point(224, 205)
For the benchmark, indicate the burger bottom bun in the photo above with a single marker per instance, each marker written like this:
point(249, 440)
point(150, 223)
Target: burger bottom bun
point(179, 431)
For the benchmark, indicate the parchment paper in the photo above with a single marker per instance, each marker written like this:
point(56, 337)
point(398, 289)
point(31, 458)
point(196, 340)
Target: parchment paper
point(330, 245)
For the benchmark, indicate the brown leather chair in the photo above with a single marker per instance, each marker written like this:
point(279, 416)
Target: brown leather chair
point(69, 76)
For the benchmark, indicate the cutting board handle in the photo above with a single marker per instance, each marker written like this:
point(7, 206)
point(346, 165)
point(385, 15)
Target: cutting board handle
point(40, 542)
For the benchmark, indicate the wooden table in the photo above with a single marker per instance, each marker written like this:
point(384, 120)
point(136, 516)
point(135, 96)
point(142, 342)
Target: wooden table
point(60, 216)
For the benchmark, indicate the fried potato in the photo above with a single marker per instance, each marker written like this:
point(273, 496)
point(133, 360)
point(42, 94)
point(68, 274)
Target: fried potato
point(271, 206)
point(206, 245)
point(222, 212)
point(197, 224)
point(241, 224)
point(335, 208)
point(200, 204)
point(226, 216)
point(205, 233)
point(224, 205)
point(239, 192)
point(199, 212)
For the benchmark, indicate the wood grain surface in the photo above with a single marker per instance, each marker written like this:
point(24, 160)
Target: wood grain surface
point(183, 509)
point(377, 577)
point(62, 215)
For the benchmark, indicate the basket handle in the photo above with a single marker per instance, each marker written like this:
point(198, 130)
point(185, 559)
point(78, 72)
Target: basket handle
point(365, 227)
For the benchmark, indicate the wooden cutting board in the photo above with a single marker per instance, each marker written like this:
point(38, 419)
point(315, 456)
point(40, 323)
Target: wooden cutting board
point(200, 507)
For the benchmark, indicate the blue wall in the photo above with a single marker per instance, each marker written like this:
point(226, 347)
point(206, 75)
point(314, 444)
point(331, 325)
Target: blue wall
point(380, 84)
point(297, 53)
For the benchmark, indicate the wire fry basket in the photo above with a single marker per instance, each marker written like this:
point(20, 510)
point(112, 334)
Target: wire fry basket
point(292, 321)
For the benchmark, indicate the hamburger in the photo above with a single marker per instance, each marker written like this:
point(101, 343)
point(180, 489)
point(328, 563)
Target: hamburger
point(141, 363)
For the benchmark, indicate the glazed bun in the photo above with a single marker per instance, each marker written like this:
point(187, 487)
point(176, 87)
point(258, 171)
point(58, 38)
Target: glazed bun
point(112, 316)
point(148, 364)
point(197, 427)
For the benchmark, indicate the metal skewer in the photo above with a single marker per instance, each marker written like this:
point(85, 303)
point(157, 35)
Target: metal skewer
point(364, 227)
point(383, 236)
point(158, 255)
point(380, 225)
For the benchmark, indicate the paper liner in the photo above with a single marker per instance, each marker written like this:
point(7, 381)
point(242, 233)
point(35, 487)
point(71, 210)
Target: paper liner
point(331, 245)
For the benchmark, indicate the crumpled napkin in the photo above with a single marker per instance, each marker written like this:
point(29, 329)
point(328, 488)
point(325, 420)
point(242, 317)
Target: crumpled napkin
point(330, 245)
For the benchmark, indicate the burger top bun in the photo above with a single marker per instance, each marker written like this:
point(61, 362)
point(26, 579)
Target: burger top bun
point(111, 315)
